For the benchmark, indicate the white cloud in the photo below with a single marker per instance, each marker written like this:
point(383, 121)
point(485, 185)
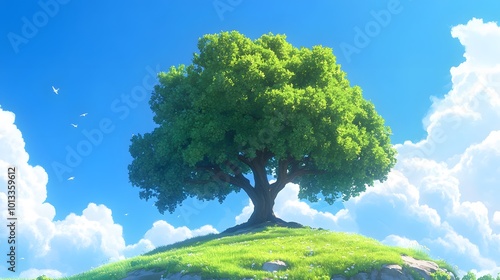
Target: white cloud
point(245, 213)
point(496, 217)
point(70, 245)
point(162, 233)
point(452, 243)
point(473, 37)
point(478, 170)
point(472, 220)
point(399, 241)
point(141, 247)
point(467, 114)
point(91, 237)
point(12, 148)
point(289, 207)
point(77, 243)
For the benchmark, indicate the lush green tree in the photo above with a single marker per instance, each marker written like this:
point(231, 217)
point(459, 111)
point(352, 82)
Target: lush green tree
point(486, 277)
point(258, 108)
point(469, 276)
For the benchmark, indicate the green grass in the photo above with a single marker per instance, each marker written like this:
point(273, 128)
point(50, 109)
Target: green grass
point(309, 254)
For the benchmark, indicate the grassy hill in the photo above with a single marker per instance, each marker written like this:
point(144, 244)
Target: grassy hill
point(309, 254)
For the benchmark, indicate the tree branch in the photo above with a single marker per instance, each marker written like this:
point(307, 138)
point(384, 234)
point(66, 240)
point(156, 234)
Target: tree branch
point(294, 165)
point(278, 186)
point(218, 174)
point(258, 166)
point(283, 169)
point(295, 172)
point(282, 180)
point(244, 160)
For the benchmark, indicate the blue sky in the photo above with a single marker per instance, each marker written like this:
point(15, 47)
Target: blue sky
point(429, 68)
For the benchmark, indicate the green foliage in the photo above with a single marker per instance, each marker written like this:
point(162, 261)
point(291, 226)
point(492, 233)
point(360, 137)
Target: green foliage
point(43, 277)
point(469, 276)
point(412, 272)
point(260, 106)
point(486, 277)
point(449, 268)
point(440, 275)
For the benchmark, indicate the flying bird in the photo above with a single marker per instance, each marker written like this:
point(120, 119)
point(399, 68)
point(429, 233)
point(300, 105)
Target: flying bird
point(84, 114)
point(74, 125)
point(56, 90)
point(71, 178)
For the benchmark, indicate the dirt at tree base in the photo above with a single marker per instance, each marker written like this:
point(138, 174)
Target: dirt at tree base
point(250, 227)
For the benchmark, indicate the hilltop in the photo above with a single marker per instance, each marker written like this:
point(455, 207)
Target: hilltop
point(307, 253)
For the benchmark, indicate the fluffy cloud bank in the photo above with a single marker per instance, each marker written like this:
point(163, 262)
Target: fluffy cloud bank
point(443, 194)
point(456, 169)
point(64, 247)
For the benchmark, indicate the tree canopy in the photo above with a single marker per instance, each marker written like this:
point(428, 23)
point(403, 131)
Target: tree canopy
point(258, 108)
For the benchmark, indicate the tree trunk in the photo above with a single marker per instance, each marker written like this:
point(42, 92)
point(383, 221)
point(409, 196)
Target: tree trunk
point(262, 196)
point(262, 207)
